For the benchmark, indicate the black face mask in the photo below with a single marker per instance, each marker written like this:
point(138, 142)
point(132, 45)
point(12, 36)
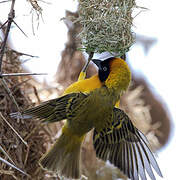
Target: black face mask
point(104, 68)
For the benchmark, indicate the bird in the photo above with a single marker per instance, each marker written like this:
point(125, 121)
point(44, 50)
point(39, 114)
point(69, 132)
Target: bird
point(90, 104)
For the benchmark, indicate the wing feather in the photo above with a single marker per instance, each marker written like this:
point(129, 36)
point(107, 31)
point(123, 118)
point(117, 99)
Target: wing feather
point(53, 110)
point(126, 147)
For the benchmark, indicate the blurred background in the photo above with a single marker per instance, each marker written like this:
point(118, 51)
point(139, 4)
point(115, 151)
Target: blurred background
point(155, 60)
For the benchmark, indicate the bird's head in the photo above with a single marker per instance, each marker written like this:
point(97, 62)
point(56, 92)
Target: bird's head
point(114, 73)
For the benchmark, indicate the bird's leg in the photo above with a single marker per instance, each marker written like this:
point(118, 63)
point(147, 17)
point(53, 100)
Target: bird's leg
point(83, 72)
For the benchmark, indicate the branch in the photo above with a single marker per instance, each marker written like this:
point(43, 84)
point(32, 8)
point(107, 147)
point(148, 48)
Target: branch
point(3, 24)
point(20, 28)
point(11, 16)
point(23, 54)
point(5, 1)
point(21, 74)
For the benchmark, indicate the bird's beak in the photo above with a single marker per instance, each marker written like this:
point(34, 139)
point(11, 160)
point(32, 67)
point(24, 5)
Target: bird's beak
point(97, 62)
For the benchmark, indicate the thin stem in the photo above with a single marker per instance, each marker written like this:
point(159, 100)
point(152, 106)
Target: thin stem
point(20, 28)
point(23, 54)
point(89, 59)
point(10, 93)
point(6, 154)
point(2, 117)
point(11, 16)
point(3, 24)
point(5, 1)
point(21, 74)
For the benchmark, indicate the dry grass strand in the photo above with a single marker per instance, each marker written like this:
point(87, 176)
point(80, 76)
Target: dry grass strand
point(106, 25)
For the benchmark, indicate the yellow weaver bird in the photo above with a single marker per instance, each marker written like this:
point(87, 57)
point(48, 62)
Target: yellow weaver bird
point(89, 104)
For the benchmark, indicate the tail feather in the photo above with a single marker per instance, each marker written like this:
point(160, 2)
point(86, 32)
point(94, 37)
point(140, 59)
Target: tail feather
point(63, 158)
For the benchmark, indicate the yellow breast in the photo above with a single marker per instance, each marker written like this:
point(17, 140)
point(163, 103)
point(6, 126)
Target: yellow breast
point(84, 86)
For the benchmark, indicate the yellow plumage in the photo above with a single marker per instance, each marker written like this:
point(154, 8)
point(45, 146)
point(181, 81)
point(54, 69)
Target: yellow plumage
point(84, 85)
point(89, 104)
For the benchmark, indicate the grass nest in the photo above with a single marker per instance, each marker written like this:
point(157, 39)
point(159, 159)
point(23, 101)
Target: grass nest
point(106, 25)
point(13, 145)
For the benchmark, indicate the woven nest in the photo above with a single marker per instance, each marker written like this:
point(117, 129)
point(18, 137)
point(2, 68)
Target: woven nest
point(24, 157)
point(106, 25)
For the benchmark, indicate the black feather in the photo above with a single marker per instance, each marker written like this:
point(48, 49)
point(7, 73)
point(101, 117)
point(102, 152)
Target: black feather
point(126, 147)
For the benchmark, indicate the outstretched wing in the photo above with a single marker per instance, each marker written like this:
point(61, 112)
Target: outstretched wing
point(125, 147)
point(53, 110)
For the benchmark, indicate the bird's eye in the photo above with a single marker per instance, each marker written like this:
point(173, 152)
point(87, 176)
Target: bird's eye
point(104, 68)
